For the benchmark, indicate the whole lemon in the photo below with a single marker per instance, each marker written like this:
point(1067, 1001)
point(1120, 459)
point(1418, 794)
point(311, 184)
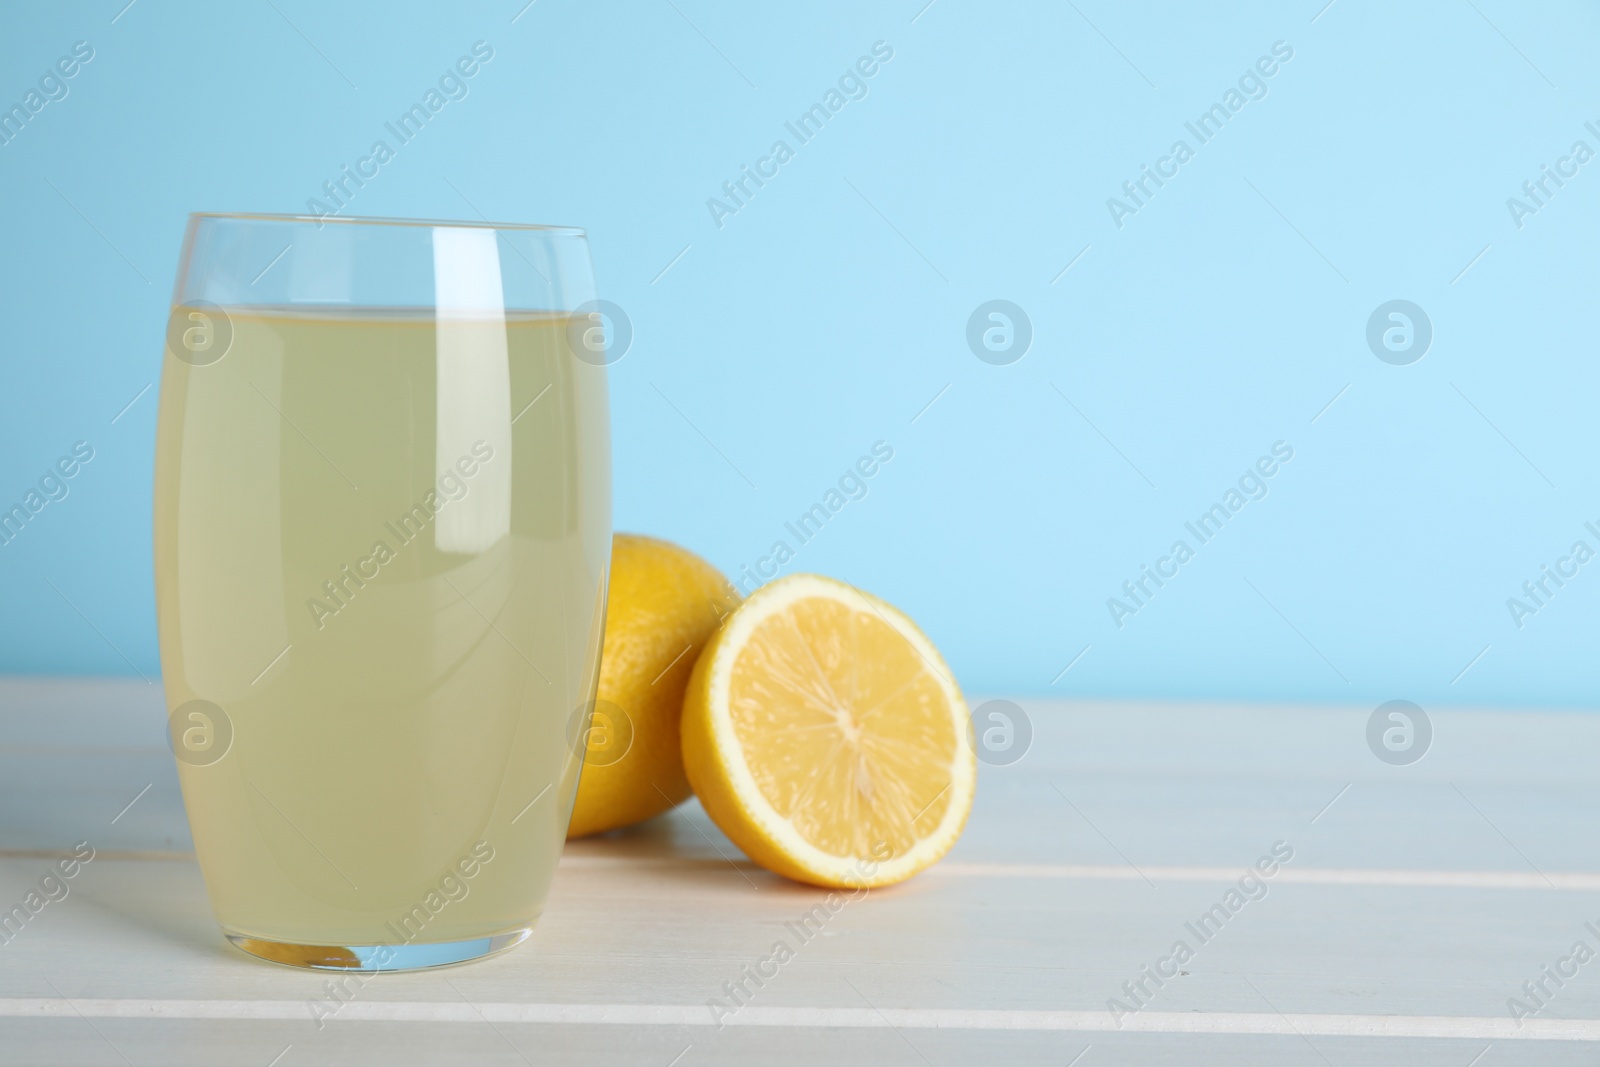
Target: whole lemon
point(663, 604)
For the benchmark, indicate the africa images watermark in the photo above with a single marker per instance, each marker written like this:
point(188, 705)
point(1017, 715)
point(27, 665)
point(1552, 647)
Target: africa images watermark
point(51, 888)
point(52, 487)
point(452, 487)
point(53, 87)
point(852, 85)
point(452, 85)
point(1537, 990)
point(1537, 592)
point(852, 485)
point(742, 987)
point(1251, 887)
point(1252, 85)
point(1399, 732)
point(999, 732)
point(453, 886)
point(1252, 485)
point(1537, 192)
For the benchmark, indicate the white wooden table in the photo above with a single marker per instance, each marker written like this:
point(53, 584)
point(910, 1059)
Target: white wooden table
point(1415, 905)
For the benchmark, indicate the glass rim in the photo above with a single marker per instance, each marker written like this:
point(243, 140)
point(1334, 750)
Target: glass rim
point(373, 220)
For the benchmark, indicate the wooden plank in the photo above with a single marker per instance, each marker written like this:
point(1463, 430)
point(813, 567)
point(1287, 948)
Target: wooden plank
point(1423, 893)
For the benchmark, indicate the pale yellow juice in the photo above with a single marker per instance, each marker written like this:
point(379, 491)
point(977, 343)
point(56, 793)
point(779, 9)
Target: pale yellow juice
point(381, 550)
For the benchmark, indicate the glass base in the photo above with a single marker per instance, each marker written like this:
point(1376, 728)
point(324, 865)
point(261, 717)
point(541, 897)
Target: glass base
point(371, 959)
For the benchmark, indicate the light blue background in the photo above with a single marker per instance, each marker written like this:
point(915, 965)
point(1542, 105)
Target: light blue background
point(827, 313)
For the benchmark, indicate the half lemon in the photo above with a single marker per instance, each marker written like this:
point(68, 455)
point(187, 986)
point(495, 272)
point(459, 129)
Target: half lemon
point(827, 738)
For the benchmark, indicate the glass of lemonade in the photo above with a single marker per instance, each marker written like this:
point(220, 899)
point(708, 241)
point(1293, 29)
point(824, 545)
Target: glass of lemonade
point(382, 534)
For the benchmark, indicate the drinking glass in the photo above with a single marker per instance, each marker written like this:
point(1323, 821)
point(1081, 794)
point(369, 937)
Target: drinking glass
point(382, 537)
